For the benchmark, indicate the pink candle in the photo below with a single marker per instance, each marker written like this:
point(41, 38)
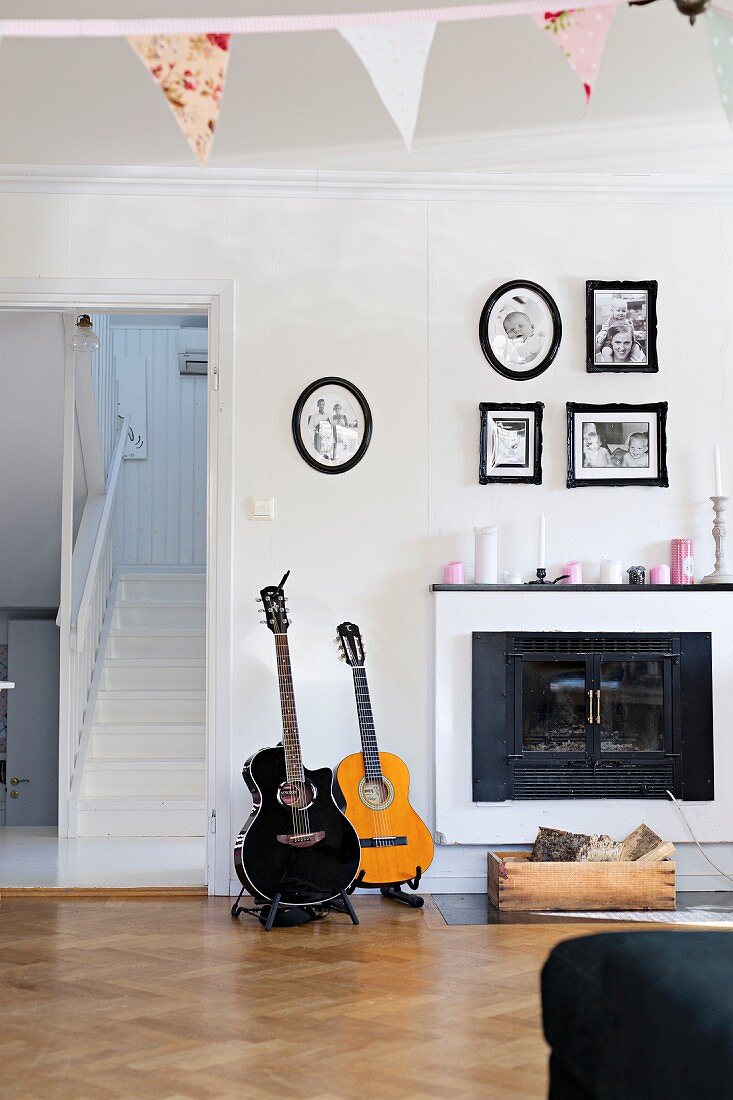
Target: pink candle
point(659, 574)
point(453, 572)
point(574, 570)
point(683, 566)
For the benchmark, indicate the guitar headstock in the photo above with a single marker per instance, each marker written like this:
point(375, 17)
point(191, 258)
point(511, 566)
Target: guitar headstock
point(351, 645)
point(273, 604)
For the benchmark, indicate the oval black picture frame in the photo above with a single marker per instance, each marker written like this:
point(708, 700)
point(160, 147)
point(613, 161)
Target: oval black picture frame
point(483, 330)
point(308, 395)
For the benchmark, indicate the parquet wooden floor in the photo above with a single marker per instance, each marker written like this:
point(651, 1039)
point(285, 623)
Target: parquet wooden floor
point(173, 1000)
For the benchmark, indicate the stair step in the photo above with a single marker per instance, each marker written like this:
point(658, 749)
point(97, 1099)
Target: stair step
point(171, 616)
point(141, 673)
point(156, 643)
point(162, 587)
point(131, 779)
point(141, 741)
point(121, 707)
point(153, 816)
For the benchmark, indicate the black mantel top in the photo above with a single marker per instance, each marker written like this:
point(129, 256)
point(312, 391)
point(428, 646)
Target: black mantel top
point(581, 588)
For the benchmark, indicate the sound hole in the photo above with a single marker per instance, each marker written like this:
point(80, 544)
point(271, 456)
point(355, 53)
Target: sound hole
point(377, 794)
point(296, 795)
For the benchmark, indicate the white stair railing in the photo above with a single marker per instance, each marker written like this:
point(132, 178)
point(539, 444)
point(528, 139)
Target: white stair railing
point(93, 572)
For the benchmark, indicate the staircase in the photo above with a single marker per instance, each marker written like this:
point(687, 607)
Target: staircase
point(145, 770)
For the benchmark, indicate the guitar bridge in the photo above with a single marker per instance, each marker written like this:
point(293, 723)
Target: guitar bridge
point(300, 840)
point(383, 841)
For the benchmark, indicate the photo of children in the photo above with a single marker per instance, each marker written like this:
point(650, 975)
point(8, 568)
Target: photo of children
point(620, 327)
point(520, 329)
point(510, 443)
point(615, 444)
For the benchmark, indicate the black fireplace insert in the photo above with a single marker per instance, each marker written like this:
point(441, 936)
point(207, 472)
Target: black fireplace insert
point(592, 716)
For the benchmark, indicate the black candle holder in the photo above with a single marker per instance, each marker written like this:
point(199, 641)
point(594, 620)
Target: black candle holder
point(541, 575)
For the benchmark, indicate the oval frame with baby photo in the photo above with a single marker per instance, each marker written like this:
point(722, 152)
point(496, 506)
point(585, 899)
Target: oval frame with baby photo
point(617, 445)
point(621, 327)
point(520, 330)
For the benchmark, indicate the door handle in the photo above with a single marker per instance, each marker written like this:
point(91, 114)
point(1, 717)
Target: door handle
point(590, 707)
point(598, 706)
point(15, 781)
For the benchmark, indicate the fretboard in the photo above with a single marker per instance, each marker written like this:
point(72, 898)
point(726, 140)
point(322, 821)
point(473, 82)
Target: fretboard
point(369, 747)
point(291, 739)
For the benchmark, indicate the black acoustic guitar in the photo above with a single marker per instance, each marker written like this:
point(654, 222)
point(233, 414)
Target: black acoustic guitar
point(297, 848)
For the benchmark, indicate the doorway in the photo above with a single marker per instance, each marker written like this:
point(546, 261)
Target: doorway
point(175, 591)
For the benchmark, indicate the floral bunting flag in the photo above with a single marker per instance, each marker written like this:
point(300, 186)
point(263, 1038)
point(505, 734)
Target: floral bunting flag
point(581, 35)
point(395, 58)
point(720, 33)
point(190, 70)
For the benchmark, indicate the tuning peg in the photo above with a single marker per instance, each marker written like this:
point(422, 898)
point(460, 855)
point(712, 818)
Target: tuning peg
point(336, 641)
point(258, 599)
point(342, 657)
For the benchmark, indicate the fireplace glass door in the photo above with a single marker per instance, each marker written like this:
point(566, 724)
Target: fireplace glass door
point(553, 704)
point(632, 704)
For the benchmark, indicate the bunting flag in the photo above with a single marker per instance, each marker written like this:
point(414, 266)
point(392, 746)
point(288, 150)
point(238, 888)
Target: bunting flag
point(395, 58)
point(581, 35)
point(190, 70)
point(720, 33)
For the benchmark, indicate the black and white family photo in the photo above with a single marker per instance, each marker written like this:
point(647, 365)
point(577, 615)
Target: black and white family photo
point(520, 330)
point(621, 327)
point(332, 425)
point(617, 444)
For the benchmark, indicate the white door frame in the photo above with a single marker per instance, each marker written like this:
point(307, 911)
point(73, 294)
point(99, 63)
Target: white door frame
point(178, 295)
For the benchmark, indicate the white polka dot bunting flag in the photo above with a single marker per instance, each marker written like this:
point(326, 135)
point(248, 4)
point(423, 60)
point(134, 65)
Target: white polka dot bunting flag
point(720, 32)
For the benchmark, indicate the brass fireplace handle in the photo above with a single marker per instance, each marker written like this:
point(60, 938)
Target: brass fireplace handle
point(590, 707)
point(598, 706)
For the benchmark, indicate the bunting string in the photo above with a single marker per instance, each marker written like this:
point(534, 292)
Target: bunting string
point(269, 24)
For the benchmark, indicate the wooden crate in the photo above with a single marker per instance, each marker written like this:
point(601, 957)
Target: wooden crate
point(515, 884)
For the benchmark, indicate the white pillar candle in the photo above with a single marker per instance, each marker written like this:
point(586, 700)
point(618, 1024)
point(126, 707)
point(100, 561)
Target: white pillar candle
point(486, 569)
point(610, 571)
point(718, 475)
point(541, 561)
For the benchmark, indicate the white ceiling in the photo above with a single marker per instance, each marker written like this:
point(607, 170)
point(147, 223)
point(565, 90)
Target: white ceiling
point(497, 96)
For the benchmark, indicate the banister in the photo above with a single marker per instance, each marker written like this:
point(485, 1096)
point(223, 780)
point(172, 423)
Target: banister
point(81, 599)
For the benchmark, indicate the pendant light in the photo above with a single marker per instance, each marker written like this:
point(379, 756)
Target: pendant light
point(85, 338)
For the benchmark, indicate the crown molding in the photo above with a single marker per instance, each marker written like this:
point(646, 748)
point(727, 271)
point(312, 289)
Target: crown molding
point(544, 187)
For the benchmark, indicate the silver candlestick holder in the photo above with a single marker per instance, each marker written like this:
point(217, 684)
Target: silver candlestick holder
point(720, 574)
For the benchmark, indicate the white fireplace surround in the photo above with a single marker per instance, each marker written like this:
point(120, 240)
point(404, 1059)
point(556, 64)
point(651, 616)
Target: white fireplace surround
point(460, 821)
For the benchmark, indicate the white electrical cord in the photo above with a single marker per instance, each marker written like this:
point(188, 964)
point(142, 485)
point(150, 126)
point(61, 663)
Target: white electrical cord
point(697, 842)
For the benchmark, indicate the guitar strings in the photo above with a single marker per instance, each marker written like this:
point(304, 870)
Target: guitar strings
point(381, 814)
point(361, 711)
point(293, 760)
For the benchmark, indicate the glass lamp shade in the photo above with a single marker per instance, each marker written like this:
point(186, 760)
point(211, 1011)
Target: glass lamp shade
point(85, 338)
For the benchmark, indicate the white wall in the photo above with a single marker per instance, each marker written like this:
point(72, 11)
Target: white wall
point(161, 514)
point(388, 294)
point(31, 449)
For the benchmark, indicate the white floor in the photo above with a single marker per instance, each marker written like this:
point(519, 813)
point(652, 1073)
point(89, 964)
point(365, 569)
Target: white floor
point(38, 857)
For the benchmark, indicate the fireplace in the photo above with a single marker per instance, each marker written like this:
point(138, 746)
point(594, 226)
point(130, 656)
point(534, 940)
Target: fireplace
point(565, 715)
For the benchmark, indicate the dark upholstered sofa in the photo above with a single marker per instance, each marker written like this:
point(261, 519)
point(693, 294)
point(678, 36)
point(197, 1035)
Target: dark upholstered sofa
point(640, 1016)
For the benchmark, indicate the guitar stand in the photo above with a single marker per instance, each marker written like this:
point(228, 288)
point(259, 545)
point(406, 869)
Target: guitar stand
point(394, 890)
point(316, 911)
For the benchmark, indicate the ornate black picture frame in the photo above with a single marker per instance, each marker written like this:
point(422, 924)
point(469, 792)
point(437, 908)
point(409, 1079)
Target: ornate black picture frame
point(617, 445)
point(520, 330)
point(332, 425)
point(621, 327)
point(510, 443)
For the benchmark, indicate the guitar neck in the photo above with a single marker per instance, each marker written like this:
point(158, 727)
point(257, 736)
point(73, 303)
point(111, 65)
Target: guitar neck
point(369, 747)
point(291, 738)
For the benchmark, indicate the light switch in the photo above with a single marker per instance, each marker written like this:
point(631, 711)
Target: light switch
point(263, 508)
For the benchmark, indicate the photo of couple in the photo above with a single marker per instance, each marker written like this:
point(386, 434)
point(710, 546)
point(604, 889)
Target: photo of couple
point(333, 430)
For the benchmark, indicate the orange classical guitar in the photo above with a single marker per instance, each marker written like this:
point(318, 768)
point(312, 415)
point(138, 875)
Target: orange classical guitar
point(396, 845)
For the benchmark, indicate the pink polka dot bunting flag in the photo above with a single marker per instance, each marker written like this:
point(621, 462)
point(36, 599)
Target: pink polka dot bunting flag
point(581, 36)
point(190, 70)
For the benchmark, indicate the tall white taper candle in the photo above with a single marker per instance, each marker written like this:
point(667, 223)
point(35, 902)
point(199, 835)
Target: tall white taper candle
point(541, 562)
point(718, 475)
